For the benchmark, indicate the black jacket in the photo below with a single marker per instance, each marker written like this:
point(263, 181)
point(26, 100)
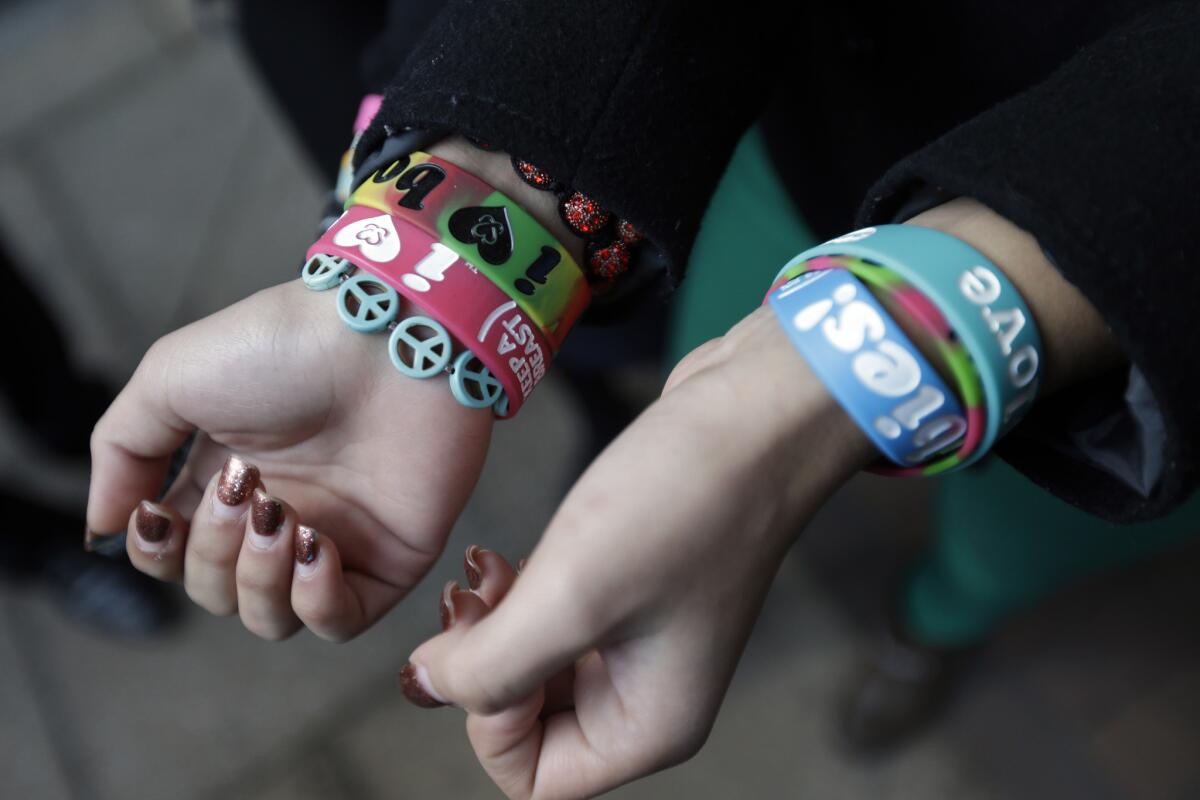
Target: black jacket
point(1076, 120)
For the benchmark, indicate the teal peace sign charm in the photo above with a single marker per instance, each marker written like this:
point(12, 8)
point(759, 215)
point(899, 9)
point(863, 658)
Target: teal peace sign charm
point(322, 271)
point(500, 407)
point(417, 356)
point(472, 383)
point(367, 304)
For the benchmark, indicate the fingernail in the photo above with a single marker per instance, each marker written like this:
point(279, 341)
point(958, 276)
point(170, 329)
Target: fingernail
point(153, 524)
point(90, 539)
point(471, 566)
point(109, 545)
point(414, 682)
point(449, 605)
point(307, 548)
point(266, 513)
point(233, 489)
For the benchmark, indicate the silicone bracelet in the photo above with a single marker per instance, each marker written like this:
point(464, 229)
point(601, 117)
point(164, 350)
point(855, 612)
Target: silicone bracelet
point(886, 283)
point(368, 107)
point(877, 375)
point(984, 309)
point(473, 309)
point(487, 229)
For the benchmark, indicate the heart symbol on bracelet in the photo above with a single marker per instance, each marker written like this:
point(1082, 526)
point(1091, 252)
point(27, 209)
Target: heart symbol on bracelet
point(375, 237)
point(486, 228)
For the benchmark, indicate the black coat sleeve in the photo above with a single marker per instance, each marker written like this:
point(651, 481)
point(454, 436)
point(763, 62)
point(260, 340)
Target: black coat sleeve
point(1101, 163)
point(637, 103)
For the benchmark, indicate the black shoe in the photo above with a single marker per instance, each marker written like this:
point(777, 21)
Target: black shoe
point(904, 687)
point(109, 596)
point(42, 543)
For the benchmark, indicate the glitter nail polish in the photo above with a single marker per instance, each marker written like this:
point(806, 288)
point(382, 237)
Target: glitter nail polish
point(411, 686)
point(266, 513)
point(306, 545)
point(151, 522)
point(237, 481)
point(471, 567)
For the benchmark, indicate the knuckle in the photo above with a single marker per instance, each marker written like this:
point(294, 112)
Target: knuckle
point(323, 618)
point(267, 629)
point(213, 604)
point(336, 635)
point(214, 550)
point(259, 582)
point(679, 737)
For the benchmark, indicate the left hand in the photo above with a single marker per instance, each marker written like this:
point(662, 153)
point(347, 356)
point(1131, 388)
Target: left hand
point(608, 658)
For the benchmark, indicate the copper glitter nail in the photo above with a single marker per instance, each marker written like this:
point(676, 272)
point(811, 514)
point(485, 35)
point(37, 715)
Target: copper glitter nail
point(306, 544)
point(237, 481)
point(151, 522)
point(266, 513)
point(472, 568)
point(408, 683)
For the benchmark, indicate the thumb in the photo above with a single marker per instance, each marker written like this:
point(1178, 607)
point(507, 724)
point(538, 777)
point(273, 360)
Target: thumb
point(542, 626)
point(132, 444)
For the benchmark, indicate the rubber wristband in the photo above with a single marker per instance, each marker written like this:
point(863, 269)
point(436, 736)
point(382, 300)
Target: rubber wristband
point(885, 283)
point(863, 357)
point(487, 229)
point(368, 107)
point(472, 308)
point(980, 303)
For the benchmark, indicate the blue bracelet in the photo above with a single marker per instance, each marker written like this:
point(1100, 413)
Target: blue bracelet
point(982, 306)
point(870, 367)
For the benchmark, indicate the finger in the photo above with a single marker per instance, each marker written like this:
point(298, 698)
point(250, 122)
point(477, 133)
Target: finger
point(488, 574)
point(264, 569)
point(652, 723)
point(328, 602)
point(457, 610)
point(156, 541)
point(132, 443)
point(215, 538)
point(204, 458)
point(460, 609)
point(185, 494)
point(540, 628)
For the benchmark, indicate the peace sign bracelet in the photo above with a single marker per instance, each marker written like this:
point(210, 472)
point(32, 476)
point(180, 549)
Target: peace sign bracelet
point(374, 258)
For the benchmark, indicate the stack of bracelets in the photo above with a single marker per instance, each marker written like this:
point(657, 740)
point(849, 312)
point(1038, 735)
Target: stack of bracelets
point(497, 293)
point(981, 327)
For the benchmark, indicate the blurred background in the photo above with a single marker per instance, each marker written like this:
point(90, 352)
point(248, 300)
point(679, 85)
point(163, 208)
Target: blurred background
point(148, 178)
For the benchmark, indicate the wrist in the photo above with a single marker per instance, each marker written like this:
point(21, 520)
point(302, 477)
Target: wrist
point(771, 405)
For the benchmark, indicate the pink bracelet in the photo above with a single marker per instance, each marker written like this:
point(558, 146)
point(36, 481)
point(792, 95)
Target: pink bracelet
point(472, 308)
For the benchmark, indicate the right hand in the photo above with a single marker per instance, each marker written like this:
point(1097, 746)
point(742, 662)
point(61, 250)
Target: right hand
point(380, 464)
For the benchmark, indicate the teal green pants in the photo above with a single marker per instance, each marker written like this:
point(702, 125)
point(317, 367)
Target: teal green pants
point(1000, 544)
